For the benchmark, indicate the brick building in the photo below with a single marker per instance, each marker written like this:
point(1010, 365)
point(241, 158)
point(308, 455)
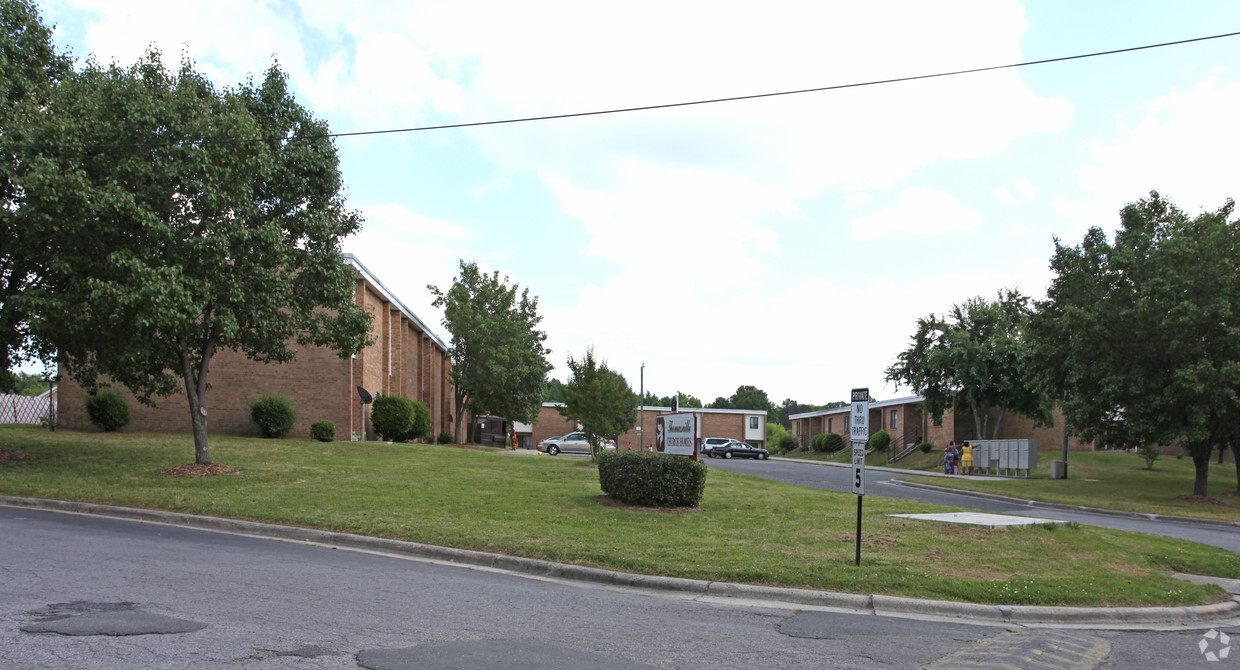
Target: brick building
point(740, 424)
point(907, 423)
point(407, 358)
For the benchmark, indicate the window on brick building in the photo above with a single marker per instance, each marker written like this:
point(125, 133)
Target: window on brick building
point(829, 428)
point(895, 418)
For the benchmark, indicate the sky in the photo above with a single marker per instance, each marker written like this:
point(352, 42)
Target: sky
point(789, 243)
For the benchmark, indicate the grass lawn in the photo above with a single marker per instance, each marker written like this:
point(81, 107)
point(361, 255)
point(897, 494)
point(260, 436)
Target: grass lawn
point(747, 530)
point(1116, 480)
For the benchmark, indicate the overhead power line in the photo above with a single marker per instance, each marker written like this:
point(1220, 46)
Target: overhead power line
point(670, 105)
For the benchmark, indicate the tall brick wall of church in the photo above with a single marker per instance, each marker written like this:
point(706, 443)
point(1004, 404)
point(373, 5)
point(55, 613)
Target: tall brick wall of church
point(322, 385)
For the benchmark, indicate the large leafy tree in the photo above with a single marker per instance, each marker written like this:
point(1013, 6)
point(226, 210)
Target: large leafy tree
point(499, 363)
point(599, 399)
point(177, 220)
point(30, 68)
point(1141, 338)
point(975, 359)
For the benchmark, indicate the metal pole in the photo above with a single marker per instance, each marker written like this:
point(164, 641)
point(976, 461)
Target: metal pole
point(1065, 445)
point(859, 499)
point(641, 413)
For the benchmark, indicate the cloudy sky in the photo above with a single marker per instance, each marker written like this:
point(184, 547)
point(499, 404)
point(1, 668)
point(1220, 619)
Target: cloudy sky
point(788, 243)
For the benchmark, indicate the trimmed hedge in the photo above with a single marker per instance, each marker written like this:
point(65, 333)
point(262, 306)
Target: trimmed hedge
point(273, 413)
point(445, 438)
point(880, 441)
point(107, 410)
point(323, 431)
point(832, 442)
point(650, 479)
point(397, 418)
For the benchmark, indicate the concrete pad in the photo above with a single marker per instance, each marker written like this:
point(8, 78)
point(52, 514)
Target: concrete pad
point(980, 519)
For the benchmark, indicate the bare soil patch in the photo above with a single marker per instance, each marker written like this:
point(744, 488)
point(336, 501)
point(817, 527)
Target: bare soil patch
point(200, 470)
point(608, 501)
point(1201, 500)
point(11, 455)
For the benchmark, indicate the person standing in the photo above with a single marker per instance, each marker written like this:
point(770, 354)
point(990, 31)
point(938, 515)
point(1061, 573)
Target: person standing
point(947, 457)
point(966, 459)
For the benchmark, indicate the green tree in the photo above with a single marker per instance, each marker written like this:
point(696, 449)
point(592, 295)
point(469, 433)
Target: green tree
point(168, 240)
point(499, 363)
point(598, 399)
point(974, 359)
point(1141, 338)
point(686, 400)
point(30, 69)
point(553, 391)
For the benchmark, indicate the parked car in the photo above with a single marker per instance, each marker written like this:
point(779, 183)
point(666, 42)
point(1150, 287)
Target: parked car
point(709, 444)
point(740, 450)
point(573, 443)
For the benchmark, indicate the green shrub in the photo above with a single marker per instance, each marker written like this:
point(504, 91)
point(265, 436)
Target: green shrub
point(107, 410)
point(880, 441)
point(816, 442)
point(1150, 452)
point(323, 431)
point(445, 438)
point(273, 413)
point(775, 435)
point(788, 443)
point(651, 479)
point(832, 442)
point(397, 418)
point(926, 446)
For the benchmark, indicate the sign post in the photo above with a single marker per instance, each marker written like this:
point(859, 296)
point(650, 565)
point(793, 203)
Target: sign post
point(859, 435)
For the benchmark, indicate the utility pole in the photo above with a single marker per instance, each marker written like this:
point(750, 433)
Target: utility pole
point(641, 412)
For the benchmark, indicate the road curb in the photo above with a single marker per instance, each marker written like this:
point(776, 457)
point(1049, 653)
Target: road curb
point(870, 604)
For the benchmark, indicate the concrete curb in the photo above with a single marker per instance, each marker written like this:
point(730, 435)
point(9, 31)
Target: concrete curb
point(869, 604)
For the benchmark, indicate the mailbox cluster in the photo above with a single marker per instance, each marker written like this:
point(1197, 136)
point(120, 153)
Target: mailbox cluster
point(1010, 458)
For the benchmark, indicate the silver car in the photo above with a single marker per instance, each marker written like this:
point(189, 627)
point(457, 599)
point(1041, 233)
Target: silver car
point(573, 443)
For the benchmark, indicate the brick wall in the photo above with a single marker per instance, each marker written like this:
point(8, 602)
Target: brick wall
point(322, 385)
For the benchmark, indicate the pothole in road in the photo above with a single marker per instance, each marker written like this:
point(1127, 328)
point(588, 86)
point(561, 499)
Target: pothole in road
point(102, 618)
point(510, 654)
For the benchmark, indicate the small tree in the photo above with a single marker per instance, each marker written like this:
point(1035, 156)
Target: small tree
point(599, 399)
point(397, 418)
point(1150, 452)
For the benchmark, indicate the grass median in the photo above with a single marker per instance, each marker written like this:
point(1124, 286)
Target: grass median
point(748, 529)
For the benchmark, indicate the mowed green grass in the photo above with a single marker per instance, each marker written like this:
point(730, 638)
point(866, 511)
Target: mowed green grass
point(1117, 480)
point(747, 530)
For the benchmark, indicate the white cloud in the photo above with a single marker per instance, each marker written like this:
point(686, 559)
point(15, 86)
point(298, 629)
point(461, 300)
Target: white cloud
point(919, 211)
point(1176, 148)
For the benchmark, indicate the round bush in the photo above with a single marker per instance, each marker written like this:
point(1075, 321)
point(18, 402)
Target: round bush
point(787, 443)
point(107, 410)
point(323, 431)
point(832, 442)
point(815, 442)
point(925, 446)
point(880, 441)
point(273, 413)
point(445, 438)
point(397, 418)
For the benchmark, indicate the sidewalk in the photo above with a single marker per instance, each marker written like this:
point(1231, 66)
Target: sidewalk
point(1126, 618)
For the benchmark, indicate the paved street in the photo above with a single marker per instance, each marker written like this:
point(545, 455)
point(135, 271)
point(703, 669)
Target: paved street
point(87, 592)
point(878, 483)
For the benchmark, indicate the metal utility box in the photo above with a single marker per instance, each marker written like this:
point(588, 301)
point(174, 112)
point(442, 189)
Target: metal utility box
point(1010, 458)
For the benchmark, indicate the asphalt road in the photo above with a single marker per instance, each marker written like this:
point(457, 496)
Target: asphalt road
point(89, 592)
point(878, 483)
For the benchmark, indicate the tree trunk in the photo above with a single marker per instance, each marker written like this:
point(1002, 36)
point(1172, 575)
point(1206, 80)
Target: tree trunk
point(1235, 454)
point(196, 394)
point(460, 413)
point(978, 425)
point(1201, 461)
point(999, 421)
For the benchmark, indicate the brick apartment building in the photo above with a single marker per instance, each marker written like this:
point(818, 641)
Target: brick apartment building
point(740, 424)
point(407, 358)
point(907, 423)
